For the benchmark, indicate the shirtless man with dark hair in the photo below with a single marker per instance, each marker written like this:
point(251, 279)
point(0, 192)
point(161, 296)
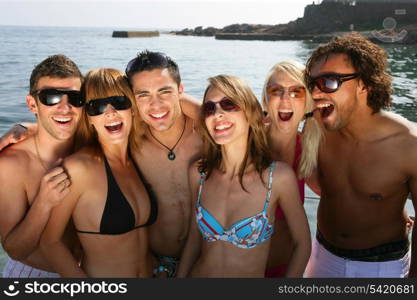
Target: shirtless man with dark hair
point(367, 166)
point(171, 144)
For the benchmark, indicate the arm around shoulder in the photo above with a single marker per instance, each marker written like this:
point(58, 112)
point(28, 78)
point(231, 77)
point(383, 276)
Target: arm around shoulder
point(192, 246)
point(288, 196)
point(55, 250)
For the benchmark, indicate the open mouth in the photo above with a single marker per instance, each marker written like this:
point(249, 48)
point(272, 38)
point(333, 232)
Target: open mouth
point(326, 109)
point(114, 127)
point(159, 116)
point(62, 120)
point(285, 115)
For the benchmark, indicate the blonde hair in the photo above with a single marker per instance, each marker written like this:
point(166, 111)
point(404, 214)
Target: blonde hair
point(257, 151)
point(103, 83)
point(311, 130)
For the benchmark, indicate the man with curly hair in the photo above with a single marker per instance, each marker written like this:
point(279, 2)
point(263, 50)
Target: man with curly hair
point(367, 165)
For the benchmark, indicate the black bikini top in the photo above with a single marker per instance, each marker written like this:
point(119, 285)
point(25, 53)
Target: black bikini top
point(118, 216)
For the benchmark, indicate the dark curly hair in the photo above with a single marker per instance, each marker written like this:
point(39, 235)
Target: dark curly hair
point(57, 66)
point(368, 59)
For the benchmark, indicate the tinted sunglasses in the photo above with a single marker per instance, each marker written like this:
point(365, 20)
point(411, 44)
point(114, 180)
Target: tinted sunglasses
point(52, 97)
point(292, 92)
point(209, 107)
point(98, 106)
point(331, 82)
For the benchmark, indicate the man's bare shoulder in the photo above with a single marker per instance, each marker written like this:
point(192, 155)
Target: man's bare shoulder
point(15, 157)
point(404, 130)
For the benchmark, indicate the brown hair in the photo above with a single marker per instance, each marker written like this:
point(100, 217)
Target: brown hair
point(56, 66)
point(257, 152)
point(368, 59)
point(102, 83)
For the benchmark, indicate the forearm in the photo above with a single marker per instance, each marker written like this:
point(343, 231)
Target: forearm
point(413, 265)
point(24, 238)
point(145, 268)
point(31, 127)
point(61, 259)
point(299, 260)
point(189, 256)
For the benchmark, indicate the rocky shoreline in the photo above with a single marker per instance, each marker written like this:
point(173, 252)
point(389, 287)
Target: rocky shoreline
point(322, 22)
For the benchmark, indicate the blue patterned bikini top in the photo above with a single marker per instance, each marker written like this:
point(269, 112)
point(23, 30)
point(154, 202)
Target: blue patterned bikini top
point(246, 233)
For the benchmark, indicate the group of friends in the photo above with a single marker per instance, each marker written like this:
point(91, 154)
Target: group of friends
point(125, 175)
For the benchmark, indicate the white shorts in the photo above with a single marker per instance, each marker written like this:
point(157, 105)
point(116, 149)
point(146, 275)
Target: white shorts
point(322, 263)
point(16, 269)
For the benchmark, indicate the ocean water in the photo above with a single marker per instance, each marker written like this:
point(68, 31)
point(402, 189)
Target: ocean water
point(198, 57)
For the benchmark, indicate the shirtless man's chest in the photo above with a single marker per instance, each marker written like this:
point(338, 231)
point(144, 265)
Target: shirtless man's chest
point(364, 189)
point(168, 179)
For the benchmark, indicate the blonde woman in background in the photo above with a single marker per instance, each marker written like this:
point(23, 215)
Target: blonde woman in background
point(287, 101)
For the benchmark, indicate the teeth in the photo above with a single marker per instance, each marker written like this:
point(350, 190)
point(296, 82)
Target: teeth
point(62, 119)
point(158, 116)
point(323, 105)
point(114, 124)
point(221, 127)
point(285, 111)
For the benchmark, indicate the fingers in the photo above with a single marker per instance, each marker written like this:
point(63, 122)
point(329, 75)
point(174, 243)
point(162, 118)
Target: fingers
point(63, 185)
point(53, 172)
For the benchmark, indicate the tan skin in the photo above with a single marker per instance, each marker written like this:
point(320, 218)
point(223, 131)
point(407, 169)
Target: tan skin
point(367, 167)
point(230, 203)
point(85, 204)
point(157, 94)
point(31, 184)
point(283, 134)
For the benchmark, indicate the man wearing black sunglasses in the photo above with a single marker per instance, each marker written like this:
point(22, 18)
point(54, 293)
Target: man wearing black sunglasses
point(367, 166)
point(170, 145)
point(32, 181)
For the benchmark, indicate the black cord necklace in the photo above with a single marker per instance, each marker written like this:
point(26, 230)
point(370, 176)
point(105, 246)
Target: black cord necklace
point(171, 154)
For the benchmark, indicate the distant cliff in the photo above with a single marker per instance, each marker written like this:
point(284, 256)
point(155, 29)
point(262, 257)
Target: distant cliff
point(326, 19)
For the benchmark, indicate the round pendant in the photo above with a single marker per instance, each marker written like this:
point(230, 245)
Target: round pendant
point(171, 155)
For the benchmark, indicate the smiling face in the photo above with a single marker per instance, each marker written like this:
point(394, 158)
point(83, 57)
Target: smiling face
point(60, 120)
point(337, 108)
point(157, 96)
point(225, 127)
point(112, 126)
point(286, 102)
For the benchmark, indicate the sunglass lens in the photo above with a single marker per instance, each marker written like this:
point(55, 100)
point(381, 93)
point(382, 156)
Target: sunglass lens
point(75, 98)
point(209, 108)
point(326, 84)
point(49, 98)
point(120, 102)
point(228, 105)
point(331, 84)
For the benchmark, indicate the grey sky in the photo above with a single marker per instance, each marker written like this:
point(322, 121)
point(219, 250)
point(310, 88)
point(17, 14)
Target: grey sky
point(149, 14)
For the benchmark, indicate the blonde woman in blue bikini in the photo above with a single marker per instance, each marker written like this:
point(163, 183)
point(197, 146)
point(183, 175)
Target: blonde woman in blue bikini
point(236, 189)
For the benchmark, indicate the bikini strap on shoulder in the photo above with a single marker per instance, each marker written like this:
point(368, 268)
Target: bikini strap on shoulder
point(270, 175)
point(200, 188)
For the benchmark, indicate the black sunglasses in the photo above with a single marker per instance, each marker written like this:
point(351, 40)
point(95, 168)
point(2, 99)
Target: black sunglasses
point(330, 82)
point(98, 106)
point(52, 97)
point(209, 107)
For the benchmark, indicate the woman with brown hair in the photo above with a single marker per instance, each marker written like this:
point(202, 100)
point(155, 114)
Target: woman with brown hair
point(107, 203)
point(236, 188)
